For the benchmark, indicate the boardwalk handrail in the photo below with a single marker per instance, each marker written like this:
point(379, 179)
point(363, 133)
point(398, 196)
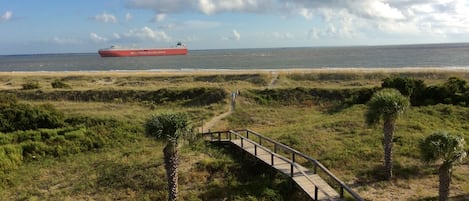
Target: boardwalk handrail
point(294, 153)
point(282, 158)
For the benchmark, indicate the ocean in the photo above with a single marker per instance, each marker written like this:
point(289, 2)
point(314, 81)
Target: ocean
point(398, 56)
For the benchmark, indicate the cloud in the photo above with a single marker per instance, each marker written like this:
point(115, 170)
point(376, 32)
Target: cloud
point(65, 41)
point(216, 6)
point(234, 36)
point(159, 17)
point(199, 24)
point(287, 35)
point(116, 36)
point(443, 17)
point(97, 39)
point(163, 6)
point(128, 17)
point(208, 7)
point(145, 34)
point(105, 18)
point(7, 16)
point(191, 25)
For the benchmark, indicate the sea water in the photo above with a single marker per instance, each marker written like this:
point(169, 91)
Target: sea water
point(397, 56)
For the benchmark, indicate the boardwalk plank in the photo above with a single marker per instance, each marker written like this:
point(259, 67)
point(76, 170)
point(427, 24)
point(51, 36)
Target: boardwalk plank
point(325, 192)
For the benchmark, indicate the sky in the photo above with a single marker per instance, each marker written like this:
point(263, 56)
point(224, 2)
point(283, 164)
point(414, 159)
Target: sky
point(78, 26)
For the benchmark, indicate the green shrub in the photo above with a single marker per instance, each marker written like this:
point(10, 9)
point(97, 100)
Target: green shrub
point(29, 135)
point(11, 157)
point(413, 88)
point(31, 85)
point(34, 150)
point(300, 95)
point(26, 117)
point(7, 100)
point(164, 95)
point(48, 134)
point(5, 138)
point(208, 96)
point(455, 85)
point(60, 84)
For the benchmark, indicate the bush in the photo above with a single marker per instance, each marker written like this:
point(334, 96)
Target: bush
point(301, 95)
point(31, 85)
point(11, 157)
point(34, 150)
point(17, 116)
point(413, 88)
point(159, 96)
point(60, 84)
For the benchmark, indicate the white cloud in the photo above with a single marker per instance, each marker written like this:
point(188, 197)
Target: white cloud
point(348, 17)
point(235, 35)
point(65, 41)
point(163, 6)
point(191, 25)
point(105, 18)
point(128, 17)
point(199, 24)
point(146, 33)
point(306, 13)
point(116, 36)
point(6, 16)
point(97, 39)
point(159, 17)
point(286, 35)
point(378, 9)
point(208, 7)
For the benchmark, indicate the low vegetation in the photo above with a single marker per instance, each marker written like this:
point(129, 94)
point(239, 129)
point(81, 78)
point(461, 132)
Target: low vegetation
point(90, 143)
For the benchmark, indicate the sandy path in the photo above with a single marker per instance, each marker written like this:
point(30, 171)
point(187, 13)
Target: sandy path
point(214, 121)
point(208, 125)
point(273, 80)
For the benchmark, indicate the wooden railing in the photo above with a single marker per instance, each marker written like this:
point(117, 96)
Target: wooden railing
point(290, 156)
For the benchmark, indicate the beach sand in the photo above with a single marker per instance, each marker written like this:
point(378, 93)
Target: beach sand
point(244, 71)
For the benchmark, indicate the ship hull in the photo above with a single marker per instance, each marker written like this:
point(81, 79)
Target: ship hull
point(142, 52)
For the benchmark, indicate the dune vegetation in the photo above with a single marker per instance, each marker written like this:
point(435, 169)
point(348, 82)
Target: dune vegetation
point(81, 136)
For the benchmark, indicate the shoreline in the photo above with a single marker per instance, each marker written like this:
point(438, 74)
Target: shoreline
point(246, 71)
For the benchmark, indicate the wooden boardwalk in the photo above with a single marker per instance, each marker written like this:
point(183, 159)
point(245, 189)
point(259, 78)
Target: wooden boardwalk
point(285, 160)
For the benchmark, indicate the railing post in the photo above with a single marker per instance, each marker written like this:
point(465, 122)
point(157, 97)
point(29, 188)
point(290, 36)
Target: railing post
point(275, 148)
point(255, 150)
point(291, 170)
point(219, 136)
point(315, 192)
point(272, 159)
point(260, 140)
point(247, 134)
point(291, 164)
point(229, 135)
point(341, 191)
point(315, 168)
point(211, 136)
point(242, 143)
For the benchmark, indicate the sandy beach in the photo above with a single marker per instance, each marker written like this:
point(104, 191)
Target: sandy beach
point(240, 71)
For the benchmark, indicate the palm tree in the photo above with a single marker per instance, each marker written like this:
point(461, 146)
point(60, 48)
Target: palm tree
point(386, 105)
point(169, 128)
point(449, 149)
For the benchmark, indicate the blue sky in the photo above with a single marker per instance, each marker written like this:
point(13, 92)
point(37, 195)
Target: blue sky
point(67, 26)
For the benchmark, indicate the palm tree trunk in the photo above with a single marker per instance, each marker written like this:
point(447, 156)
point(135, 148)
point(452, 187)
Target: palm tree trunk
point(171, 165)
point(445, 179)
point(388, 131)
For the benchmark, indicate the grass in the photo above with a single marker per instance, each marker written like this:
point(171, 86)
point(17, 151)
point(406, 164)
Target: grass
point(342, 141)
point(132, 169)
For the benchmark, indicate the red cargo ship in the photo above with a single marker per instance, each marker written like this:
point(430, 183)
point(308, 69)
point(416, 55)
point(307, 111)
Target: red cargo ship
point(113, 51)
